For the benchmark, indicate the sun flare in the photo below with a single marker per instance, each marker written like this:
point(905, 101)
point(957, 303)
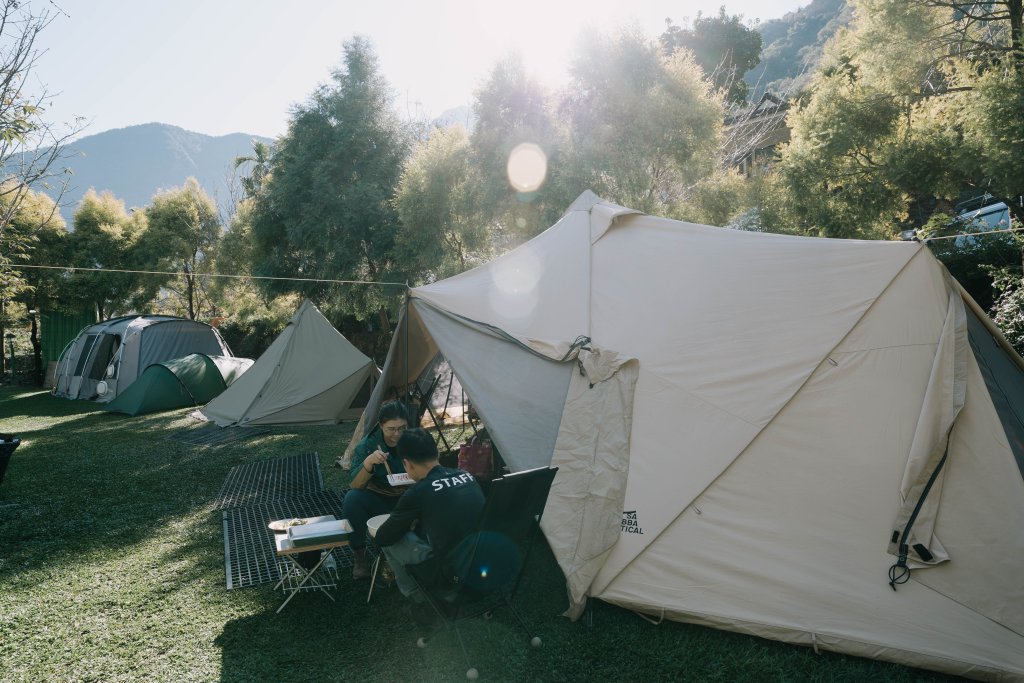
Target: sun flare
point(527, 167)
point(542, 33)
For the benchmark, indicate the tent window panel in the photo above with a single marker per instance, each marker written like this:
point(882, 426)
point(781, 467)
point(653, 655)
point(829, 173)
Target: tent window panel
point(174, 340)
point(105, 349)
point(363, 397)
point(90, 340)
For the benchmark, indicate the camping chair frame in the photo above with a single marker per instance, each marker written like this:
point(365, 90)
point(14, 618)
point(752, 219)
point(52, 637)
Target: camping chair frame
point(513, 510)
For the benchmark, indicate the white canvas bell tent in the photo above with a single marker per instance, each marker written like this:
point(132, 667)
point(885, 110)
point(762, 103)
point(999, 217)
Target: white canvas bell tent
point(310, 374)
point(106, 358)
point(751, 429)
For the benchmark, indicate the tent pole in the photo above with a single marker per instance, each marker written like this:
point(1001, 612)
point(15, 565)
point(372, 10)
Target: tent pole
point(407, 313)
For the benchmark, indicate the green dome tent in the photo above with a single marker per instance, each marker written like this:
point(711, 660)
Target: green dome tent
point(178, 383)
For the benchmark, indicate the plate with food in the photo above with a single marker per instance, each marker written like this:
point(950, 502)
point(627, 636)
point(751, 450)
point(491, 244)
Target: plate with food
point(282, 525)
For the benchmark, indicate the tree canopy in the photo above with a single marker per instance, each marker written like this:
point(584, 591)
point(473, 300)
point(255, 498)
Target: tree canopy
point(183, 234)
point(904, 116)
point(327, 209)
point(722, 45)
point(442, 234)
point(31, 148)
point(107, 237)
point(643, 126)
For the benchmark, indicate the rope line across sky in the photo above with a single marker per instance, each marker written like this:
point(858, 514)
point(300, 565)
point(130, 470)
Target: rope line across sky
point(13, 266)
point(181, 273)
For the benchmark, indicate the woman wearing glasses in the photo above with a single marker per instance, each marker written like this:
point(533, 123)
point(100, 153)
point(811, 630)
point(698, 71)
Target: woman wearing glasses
point(375, 457)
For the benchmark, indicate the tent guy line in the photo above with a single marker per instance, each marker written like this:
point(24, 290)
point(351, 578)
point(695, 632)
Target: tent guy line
point(386, 284)
point(248, 277)
point(971, 234)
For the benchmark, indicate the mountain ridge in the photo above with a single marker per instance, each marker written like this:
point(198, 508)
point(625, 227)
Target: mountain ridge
point(792, 46)
point(135, 162)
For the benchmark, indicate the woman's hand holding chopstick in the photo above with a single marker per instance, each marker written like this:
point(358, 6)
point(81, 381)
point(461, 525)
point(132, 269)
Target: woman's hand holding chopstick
point(378, 457)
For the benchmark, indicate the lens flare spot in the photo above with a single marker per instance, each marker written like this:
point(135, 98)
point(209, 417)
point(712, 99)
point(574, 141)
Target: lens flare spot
point(527, 167)
point(518, 273)
point(483, 572)
point(515, 293)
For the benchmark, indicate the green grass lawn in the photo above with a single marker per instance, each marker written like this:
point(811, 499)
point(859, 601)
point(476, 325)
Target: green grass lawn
point(112, 569)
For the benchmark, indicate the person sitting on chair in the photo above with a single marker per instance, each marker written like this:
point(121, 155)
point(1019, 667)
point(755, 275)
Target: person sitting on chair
point(441, 508)
point(370, 493)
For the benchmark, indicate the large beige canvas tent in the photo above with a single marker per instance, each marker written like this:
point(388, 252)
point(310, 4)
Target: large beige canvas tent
point(810, 440)
point(310, 374)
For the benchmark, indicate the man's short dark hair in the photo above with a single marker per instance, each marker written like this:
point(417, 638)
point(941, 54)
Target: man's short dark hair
point(417, 446)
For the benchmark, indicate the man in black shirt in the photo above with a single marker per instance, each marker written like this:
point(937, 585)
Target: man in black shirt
point(432, 516)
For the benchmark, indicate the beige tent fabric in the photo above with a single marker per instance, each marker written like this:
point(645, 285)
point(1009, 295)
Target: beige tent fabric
point(581, 520)
point(789, 542)
point(727, 326)
point(789, 394)
point(327, 407)
point(345, 459)
point(539, 290)
point(310, 374)
point(944, 398)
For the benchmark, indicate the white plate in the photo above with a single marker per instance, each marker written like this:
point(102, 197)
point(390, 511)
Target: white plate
point(281, 525)
point(400, 479)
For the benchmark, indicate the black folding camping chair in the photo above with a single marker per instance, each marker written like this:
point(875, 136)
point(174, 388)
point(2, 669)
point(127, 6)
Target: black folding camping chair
point(485, 569)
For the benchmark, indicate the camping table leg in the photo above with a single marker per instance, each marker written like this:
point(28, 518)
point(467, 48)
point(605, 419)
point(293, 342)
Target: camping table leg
point(308, 575)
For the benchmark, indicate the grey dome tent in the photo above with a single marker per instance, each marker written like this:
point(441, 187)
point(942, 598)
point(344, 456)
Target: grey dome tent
point(310, 374)
point(105, 358)
point(752, 430)
point(178, 383)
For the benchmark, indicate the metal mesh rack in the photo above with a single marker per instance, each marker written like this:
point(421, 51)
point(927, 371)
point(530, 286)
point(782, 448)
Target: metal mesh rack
point(249, 557)
point(270, 480)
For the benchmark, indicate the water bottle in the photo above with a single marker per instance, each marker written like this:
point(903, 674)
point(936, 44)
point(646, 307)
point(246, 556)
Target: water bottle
point(330, 564)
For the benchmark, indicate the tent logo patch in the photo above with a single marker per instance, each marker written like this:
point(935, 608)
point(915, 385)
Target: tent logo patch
point(629, 523)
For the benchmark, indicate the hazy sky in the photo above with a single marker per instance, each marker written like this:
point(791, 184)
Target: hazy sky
point(223, 66)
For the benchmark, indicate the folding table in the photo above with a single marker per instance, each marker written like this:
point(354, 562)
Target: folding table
point(294, 576)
